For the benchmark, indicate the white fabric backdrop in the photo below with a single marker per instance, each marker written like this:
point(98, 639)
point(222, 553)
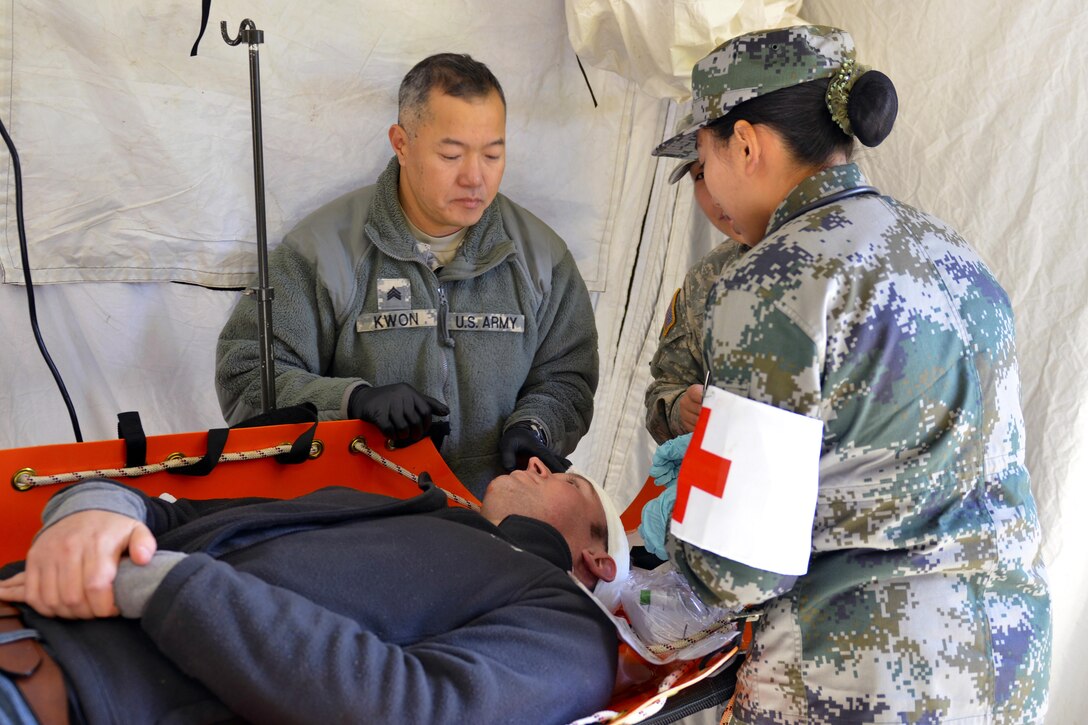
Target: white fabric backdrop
point(137, 158)
point(655, 44)
point(990, 137)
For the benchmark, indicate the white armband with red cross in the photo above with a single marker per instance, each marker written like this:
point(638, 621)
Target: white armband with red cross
point(748, 483)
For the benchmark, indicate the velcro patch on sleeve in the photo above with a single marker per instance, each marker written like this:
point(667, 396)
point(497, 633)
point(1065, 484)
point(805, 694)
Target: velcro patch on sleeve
point(670, 314)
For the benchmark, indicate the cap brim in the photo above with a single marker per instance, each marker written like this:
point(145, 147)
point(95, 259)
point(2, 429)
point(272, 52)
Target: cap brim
point(682, 145)
point(681, 171)
point(609, 592)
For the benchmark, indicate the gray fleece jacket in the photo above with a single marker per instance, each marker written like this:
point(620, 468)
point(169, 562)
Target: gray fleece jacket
point(503, 333)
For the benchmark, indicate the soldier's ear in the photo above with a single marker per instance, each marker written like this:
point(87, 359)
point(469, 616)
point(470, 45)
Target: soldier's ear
point(398, 139)
point(749, 142)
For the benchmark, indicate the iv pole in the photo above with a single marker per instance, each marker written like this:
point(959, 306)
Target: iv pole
point(248, 33)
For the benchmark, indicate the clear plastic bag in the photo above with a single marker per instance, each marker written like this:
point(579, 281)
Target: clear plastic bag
point(665, 613)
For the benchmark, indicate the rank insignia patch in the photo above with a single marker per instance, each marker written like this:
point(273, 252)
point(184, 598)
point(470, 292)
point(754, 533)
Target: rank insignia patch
point(394, 294)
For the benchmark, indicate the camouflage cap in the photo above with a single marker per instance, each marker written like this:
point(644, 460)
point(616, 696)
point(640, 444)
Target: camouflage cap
point(756, 64)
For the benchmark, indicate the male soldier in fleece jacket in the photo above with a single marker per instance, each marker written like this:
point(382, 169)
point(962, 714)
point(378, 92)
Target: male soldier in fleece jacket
point(430, 292)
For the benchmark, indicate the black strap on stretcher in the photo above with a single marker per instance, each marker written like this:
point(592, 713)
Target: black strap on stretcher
point(217, 441)
point(304, 413)
point(131, 430)
point(711, 692)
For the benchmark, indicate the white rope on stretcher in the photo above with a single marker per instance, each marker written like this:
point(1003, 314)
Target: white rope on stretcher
point(679, 644)
point(359, 445)
point(25, 480)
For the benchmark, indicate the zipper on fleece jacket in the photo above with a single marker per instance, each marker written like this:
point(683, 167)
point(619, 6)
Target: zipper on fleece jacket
point(444, 337)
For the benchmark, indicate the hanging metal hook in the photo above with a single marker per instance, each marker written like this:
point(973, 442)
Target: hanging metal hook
point(247, 33)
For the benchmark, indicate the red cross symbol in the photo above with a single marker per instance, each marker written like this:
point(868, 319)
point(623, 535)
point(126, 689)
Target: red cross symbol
point(699, 469)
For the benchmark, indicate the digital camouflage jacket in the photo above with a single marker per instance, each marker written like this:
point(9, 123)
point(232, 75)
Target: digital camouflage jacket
point(925, 599)
point(678, 362)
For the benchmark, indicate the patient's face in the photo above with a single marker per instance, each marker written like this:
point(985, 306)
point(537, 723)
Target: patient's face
point(565, 500)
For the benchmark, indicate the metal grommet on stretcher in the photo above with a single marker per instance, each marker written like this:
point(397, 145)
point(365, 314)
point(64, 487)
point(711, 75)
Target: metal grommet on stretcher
point(16, 480)
point(317, 447)
point(175, 456)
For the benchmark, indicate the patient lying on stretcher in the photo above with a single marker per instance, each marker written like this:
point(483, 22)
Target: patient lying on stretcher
point(337, 604)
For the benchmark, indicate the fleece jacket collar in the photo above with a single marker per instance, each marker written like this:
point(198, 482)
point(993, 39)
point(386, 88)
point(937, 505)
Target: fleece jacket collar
point(521, 532)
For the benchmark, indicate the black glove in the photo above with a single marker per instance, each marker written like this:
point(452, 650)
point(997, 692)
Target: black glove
point(401, 412)
point(521, 442)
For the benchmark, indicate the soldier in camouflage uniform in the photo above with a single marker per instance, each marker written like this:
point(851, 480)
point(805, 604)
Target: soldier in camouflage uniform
point(925, 598)
point(673, 398)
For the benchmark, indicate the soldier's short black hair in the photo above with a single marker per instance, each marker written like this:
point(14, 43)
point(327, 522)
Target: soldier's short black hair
point(454, 74)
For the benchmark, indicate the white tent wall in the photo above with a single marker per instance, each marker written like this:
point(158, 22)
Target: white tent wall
point(138, 159)
point(118, 347)
point(991, 138)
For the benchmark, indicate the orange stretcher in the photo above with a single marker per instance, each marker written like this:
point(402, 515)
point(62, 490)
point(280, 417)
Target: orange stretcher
point(250, 462)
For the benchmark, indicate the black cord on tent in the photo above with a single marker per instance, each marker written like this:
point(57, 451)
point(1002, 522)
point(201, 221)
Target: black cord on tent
point(205, 10)
point(591, 93)
point(30, 284)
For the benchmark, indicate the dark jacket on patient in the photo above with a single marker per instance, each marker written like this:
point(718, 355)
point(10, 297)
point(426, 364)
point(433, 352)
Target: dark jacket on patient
point(343, 606)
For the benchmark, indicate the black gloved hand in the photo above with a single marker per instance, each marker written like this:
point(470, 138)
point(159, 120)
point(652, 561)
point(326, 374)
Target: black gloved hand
point(520, 443)
point(401, 412)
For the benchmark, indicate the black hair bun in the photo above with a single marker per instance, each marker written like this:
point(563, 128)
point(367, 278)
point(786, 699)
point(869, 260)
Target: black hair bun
point(872, 107)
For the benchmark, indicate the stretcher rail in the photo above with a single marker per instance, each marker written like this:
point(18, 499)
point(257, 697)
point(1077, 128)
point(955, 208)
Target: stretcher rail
point(25, 479)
